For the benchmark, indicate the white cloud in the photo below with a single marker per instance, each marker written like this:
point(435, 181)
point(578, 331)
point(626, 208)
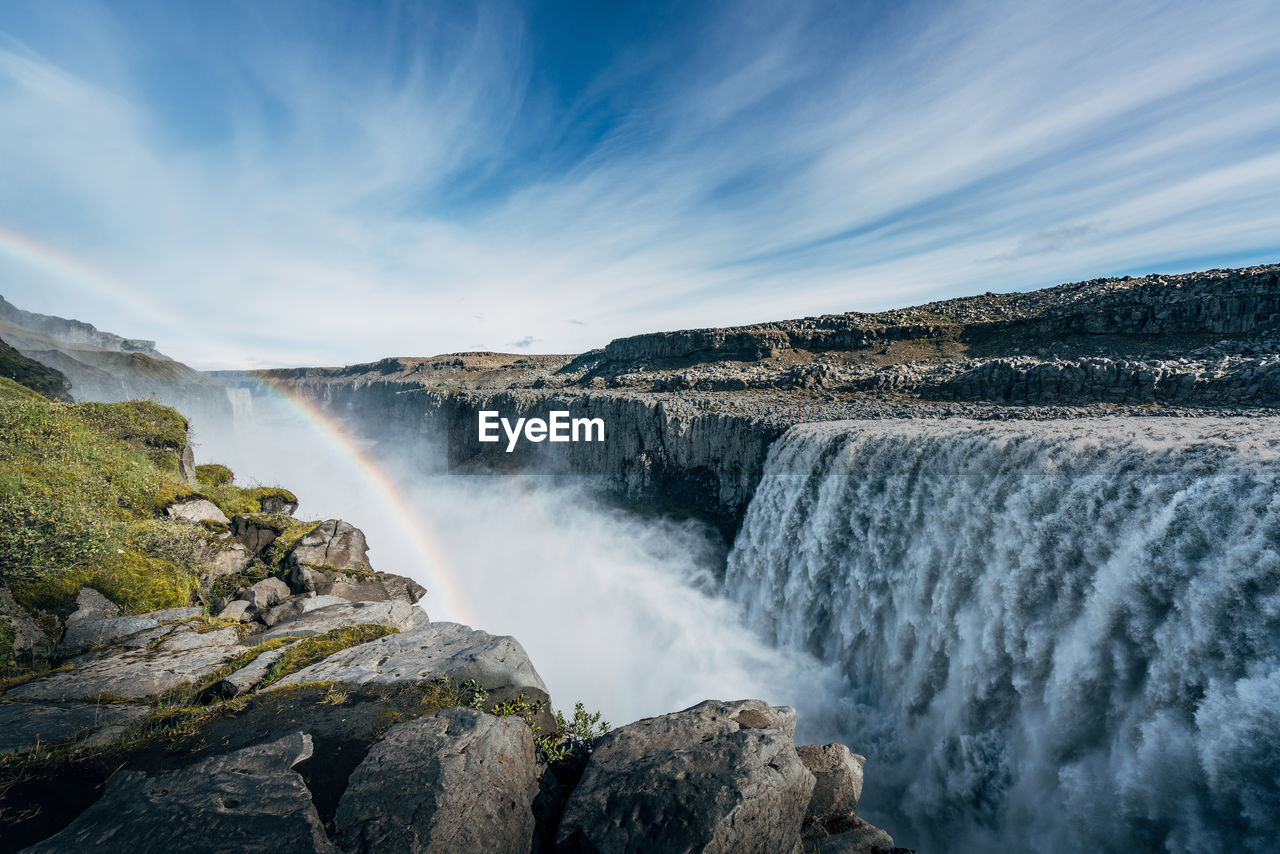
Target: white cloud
point(771, 174)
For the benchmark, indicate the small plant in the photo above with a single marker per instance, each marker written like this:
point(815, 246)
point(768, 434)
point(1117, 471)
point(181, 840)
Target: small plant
point(335, 696)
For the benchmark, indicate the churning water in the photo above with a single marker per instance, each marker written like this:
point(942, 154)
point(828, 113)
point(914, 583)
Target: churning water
point(1061, 636)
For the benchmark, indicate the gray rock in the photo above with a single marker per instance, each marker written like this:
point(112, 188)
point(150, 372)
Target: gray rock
point(717, 778)
point(27, 634)
point(245, 679)
point(250, 800)
point(236, 610)
point(196, 510)
point(226, 558)
point(132, 675)
point(265, 593)
point(257, 532)
point(460, 652)
point(83, 633)
point(367, 587)
point(455, 780)
point(278, 505)
point(92, 605)
point(332, 544)
point(838, 772)
point(860, 838)
point(23, 726)
point(174, 614)
point(188, 638)
point(297, 606)
point(399, 615)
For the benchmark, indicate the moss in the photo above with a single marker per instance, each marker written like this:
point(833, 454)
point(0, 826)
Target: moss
point(186, 695)
point(233, 500)
point(256, 571)
point(262, 493)
point(8, 656)
point(136, 582)
point(213, 475)
point(310, 650)
point(288, 538)
point(74, 478)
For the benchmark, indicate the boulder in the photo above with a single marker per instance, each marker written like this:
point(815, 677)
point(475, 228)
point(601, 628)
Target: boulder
point(719, 777)
point(278, 504)
point(227, 557)
point(265, 593)
point(399, 615)
point(838, 772)
point(296, 606)
point(249, 800)
point(256, 532)
point(24, 726)
point(859, 838)
point(174, 614)
point(132, 675)
point(367, 587)
point(83, 634)
point(460, 652)
point(236, 610)
point(92, 605)
point(27, 634)
point(187, 637)
point(455, 780)
point(333, 544)
point(197, 510)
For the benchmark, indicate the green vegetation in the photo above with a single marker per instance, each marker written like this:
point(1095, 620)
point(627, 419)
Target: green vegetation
point(8, 663)
point(81, 486)
point(310, 650)
point(212, 475)
point(571, 742)
point(42, 380)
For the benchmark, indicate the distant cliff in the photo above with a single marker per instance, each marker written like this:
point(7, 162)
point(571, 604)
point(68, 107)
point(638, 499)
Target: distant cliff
point(101, 366)
point(691, 414)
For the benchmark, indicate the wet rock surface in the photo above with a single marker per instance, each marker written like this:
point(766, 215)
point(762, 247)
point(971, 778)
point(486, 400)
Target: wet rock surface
point(27, 726)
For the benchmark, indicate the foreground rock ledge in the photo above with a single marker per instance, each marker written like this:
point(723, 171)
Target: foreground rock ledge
point(719, 778)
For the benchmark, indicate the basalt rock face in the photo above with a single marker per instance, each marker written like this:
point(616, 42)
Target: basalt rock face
point(690, 415)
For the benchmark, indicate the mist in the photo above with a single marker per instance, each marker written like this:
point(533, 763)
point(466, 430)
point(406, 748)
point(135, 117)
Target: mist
point(617, 611)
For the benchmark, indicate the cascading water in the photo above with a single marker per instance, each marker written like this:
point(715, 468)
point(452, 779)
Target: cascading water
point(1062, 636)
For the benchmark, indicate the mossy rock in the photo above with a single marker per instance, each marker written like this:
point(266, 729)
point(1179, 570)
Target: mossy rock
point(310, 650)
point(213, 474)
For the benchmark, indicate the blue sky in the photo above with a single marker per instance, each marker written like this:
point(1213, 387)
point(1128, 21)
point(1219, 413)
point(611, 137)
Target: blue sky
point(322, 183)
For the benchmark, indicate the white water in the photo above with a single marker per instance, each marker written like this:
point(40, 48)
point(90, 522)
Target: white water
point(615, 611)
point(1062, 636)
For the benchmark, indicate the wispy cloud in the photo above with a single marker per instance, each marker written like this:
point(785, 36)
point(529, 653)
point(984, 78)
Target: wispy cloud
point(335, 198)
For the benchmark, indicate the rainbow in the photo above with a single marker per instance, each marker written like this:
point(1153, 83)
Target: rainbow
point(443, 591)
point(72, 270)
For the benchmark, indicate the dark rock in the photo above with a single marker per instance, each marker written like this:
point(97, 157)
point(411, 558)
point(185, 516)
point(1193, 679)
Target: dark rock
point(717, 778)
point(92, 605)
point(24, 726)
point(249, 800)
point(332, 544)
point(366, 587)
point(857, 837)
point(83, 634)
point(455, 780)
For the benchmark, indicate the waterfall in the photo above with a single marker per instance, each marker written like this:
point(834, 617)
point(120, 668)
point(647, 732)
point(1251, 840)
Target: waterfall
point(1062, 636)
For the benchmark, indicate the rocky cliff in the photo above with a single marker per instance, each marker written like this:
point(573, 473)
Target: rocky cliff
point(103, 366)
point(287, 696)
point(691, 414)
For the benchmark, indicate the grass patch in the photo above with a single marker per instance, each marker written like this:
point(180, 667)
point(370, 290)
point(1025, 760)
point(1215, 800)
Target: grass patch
point(310, 650)
point(288, 538)
point(209, 476)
